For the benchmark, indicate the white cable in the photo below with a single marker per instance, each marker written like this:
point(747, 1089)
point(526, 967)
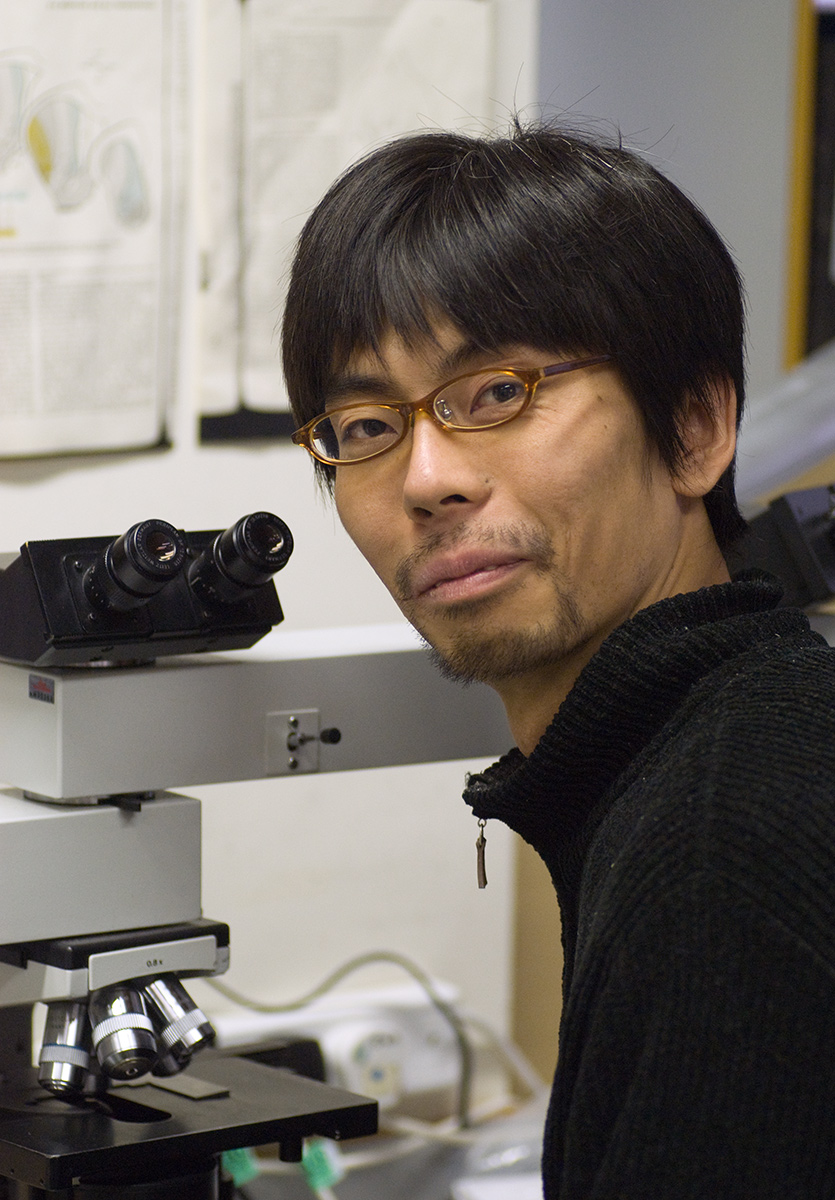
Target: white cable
point(447, 1010)
point(513, 1060)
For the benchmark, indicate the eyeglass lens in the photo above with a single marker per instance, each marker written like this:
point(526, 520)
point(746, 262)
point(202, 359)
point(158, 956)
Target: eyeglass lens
point(362, 430)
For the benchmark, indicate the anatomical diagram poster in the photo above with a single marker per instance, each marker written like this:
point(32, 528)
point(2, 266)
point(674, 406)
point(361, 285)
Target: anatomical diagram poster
point(294, 91)
point(93, 169)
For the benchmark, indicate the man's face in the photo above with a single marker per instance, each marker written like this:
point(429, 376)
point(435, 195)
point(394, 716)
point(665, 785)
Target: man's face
point(514, 551)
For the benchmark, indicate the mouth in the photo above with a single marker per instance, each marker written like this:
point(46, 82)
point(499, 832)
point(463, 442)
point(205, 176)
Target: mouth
point(467, 575)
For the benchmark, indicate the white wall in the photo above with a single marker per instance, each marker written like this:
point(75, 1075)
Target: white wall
point(705, 90)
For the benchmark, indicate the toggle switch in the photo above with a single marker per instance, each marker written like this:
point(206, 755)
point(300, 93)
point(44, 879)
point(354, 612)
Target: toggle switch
point(293, 738)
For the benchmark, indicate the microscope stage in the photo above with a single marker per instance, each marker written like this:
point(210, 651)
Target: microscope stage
point(47, 1144)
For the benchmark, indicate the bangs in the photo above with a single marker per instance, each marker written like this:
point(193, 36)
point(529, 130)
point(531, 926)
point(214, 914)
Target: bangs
point(455, 241)
point(411, 277)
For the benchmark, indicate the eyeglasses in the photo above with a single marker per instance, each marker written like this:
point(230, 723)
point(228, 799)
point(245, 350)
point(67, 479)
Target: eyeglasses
point(359, 430)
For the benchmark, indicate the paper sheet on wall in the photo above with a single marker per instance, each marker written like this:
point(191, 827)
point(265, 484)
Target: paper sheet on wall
point(295, 91)
point(92, 163)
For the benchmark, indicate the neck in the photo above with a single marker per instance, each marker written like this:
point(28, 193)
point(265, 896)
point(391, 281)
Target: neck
point(532, 700)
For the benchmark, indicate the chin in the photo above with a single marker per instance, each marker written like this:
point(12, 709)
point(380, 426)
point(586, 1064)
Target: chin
point(475, 656)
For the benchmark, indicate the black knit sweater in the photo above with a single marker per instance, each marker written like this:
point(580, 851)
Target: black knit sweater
point(683, 800)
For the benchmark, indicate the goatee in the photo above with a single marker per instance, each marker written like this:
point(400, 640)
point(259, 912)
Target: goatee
point(470, 649)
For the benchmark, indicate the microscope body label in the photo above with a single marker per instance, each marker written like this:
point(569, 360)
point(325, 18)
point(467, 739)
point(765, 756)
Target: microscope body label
point(189, 954)
point(42, 688)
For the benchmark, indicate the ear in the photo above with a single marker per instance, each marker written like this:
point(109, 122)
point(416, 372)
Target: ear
point(709, 437)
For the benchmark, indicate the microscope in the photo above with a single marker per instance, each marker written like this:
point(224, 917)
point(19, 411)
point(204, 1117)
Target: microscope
point(100, 906)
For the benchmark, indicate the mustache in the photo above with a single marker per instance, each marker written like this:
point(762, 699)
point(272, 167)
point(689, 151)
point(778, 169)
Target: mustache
point(529, 541)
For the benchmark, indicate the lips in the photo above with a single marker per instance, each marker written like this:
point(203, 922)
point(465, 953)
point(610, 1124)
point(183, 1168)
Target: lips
point(455, 571)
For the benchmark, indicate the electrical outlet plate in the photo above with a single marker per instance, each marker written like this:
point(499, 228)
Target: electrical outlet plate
point(292, 741)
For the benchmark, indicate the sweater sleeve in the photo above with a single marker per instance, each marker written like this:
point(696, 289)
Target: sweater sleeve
point(705, 1071)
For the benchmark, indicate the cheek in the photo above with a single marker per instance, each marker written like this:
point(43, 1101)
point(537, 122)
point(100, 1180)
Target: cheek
point(360, 511)
point(353, 511)
point(599, 495)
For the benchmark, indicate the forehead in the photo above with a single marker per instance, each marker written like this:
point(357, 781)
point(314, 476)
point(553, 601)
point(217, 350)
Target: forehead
point(443, 348)
point(432, 359)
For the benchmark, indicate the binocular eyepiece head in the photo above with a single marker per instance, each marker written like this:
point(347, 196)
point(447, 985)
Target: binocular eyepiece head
point(136, 566)
point(155, 590)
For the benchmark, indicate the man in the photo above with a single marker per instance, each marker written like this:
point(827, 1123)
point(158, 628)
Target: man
point(518, 363)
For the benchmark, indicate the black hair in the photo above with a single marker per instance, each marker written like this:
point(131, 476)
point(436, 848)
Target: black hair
point(542, 237)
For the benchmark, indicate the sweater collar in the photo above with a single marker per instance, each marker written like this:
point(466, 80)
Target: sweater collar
point(621, 699)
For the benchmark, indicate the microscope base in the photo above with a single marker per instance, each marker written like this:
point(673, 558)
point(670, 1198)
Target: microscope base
point(154, 1135)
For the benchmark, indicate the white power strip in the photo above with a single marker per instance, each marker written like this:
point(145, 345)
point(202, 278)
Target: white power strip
point(391, 1044)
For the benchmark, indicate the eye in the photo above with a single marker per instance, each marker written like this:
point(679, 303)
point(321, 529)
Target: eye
point(495, 398)
point(507, 389)
point(356, 429)
point(363, 430)
point(485, 398)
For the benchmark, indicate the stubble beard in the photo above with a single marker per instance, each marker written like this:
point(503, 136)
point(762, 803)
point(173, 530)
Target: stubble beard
point(473, 652)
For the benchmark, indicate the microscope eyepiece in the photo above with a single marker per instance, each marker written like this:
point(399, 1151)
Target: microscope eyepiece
point(135, 566)
point(241, 559)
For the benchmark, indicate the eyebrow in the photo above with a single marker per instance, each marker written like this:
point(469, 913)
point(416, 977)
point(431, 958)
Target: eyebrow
point(464, 355)
point(452, 363)
point(349, 385)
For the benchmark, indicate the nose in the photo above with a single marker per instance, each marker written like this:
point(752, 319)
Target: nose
point(445, 472)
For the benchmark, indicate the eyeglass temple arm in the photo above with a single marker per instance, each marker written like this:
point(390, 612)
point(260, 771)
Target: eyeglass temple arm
point(561, 368)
